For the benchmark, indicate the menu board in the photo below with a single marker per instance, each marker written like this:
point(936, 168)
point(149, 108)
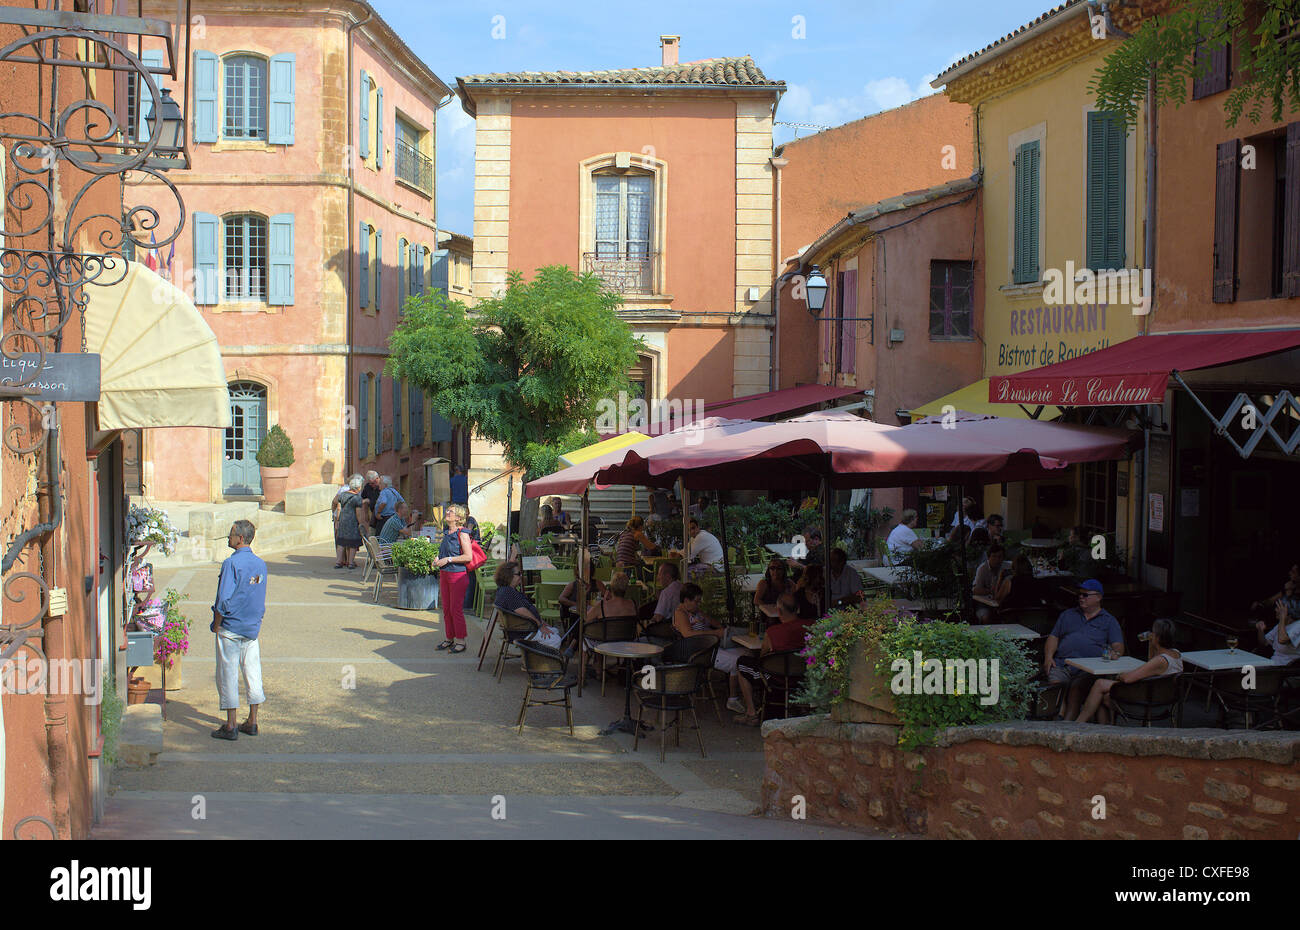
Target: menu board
point(1158, 515)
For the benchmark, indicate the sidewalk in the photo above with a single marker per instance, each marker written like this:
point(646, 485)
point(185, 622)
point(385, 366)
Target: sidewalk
point(421, 746)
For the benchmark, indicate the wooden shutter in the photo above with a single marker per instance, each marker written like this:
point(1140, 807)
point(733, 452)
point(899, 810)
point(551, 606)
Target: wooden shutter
point(379, 128)
point(1107, 147)
point(365, 115)
point(1026, 214)
point(379, 270)
point(849, 333)
point(413, 270)
point(420, 253)
point(206, 82)
point(363, 290)
point(207, 243)
point(1226, 180)
point(280, 81)
point(415, 410)
point(1291, 215)
point(280, 260)
point(439, 280)
point(397, 414)
point(150, 56)
point(379, 413)
point(1217, 75)
point(363, 418)
point(439, 429)
point(403, 282)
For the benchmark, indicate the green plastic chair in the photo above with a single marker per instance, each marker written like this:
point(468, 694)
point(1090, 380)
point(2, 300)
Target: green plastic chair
point(548, 600)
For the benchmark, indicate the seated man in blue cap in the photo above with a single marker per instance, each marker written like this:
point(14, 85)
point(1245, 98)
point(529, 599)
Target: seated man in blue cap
point(1082, 632)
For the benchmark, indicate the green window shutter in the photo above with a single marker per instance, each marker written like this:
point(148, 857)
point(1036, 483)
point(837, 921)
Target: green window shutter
point(1106, 191)
point(363, 417)
point(379, 413)
point(416, 407)
point(397, 414)
point(379, 270)
point(401, 274)
point(363, 290)
point(1026, 214)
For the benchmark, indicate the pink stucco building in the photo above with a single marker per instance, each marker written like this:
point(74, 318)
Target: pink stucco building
point(310, 218)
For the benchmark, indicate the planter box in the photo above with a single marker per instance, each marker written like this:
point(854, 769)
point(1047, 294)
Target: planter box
point(417, 592)
point(870, 700)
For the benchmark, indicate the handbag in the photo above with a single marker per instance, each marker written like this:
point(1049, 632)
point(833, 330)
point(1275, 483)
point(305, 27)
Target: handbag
point(477, 556)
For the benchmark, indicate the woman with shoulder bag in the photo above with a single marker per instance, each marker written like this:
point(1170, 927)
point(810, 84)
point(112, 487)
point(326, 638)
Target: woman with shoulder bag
point(455, 552)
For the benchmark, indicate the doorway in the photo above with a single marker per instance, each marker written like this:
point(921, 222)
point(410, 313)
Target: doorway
point(240, 475)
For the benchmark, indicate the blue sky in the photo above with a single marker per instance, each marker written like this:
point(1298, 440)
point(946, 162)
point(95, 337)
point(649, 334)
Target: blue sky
point(855, 58)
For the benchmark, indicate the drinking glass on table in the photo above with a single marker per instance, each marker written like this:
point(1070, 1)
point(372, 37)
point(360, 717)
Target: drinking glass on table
point(1232, 644)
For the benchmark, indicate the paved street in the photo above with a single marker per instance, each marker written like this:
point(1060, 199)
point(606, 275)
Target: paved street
point(421, 747)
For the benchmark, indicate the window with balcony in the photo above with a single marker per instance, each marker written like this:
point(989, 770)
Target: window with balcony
point(624, 230)
point(413, 166)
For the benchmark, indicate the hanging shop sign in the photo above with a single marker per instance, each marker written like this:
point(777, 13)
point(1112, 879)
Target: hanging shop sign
point(61, 377)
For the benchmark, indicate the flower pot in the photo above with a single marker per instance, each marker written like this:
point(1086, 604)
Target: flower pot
point(870, 699)
point(137, 691)
point(416, 592)
point(275, 481)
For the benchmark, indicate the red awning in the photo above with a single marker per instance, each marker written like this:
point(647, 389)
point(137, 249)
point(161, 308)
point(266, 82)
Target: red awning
point(752, 407)
point(1135, 371)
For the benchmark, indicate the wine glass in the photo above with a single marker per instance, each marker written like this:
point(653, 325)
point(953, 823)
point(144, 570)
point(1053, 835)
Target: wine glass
point(1232, 644)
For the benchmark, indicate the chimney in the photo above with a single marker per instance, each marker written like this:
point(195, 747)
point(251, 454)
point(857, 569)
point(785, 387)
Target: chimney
point(669, 46)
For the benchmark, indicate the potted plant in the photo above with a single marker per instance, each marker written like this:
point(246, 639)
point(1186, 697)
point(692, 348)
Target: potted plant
point(148, 526)
point(274, 458)
point(173, 642)
point(417, 578)
point(841, 652)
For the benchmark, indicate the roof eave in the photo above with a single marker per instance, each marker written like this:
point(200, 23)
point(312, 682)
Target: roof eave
point(467, 103)
point(980, 59)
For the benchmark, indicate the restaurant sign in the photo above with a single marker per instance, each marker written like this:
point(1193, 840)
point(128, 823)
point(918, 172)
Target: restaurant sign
point(64, 376)
point(1098, 391)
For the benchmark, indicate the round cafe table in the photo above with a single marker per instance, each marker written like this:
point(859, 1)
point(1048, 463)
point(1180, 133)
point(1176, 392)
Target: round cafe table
point(621, 650)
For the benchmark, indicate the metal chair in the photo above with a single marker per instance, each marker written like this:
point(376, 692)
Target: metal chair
point(702, 652)
point(547, 670)
point(673, 692)
point(382, 560)
point(662, 633)
point(608, 630)
point(1263, 701)
point(514, 628)
point(782, 675)
point(1149, 700)
point(1046, 701)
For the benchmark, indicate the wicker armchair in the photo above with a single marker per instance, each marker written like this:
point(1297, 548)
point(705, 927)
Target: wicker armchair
point(608, 630)
point(548, 671)
point(673, 693)
point(1149, 700)
point(782, 675)
point(700, 651)
point(381, 560)
point(514, 628)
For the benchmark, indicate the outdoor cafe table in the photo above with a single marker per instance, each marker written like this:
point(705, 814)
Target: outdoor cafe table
point(1096, 665)
point(891, 575)
point(1010, 630)
point(781, 549)
point(1044, 544)
point(749, 584)
point(769, 611)
point(629, 651)
point(747, 640)
point(1217, 660)
point(537, 563)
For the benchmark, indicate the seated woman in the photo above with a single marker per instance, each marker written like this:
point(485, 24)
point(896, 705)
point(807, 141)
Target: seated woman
point(1284, 636)
point(631, 542)
point(509, 578)
point(1019, 588)
point(687, 618)
point(1076, 555)
point(1162, 659)
point(615, 604)
point(810, 593)
point(774, 583)
point(547, 521)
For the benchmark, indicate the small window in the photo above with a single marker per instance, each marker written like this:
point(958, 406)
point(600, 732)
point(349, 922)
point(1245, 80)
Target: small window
point(245, 84)
point(952, 302)
point(245, 239)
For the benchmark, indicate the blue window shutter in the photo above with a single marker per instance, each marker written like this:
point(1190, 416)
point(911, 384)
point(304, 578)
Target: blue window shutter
point(1025, 247)
point(281, 94)
point(415, 407)
point(365, 115)
point(379, 413)
point(397, 414)
point(280, 257)
point(402, 273)
point(413, 263)
point(421, 252)
point(439, 429)
point(379, 270)
point(149, 56)
point(207, 237)
point(206, 79)
point(379, 128)
point(441, 261)
point(363, 291)
point(363, 418)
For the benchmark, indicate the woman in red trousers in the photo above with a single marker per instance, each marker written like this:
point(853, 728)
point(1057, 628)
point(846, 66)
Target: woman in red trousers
point(453, 554)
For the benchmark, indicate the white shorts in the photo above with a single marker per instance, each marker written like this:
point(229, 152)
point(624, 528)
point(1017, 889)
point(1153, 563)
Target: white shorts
point(235, 655)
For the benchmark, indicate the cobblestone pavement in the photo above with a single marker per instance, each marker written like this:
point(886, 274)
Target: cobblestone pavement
point(422, 746)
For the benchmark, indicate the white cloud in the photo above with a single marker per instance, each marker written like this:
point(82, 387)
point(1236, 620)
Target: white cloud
point(456, 169)
point(800, 106)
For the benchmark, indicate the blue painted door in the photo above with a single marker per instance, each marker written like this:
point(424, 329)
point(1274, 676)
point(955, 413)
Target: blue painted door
point(243, 437)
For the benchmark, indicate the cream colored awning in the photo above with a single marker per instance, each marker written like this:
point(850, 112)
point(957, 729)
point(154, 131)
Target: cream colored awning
point(160, 363)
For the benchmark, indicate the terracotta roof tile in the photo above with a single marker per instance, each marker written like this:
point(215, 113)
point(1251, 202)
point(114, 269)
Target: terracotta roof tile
point(738, 72)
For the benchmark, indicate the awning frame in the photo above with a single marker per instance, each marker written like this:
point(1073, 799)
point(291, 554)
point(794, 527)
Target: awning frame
point(1264, 419)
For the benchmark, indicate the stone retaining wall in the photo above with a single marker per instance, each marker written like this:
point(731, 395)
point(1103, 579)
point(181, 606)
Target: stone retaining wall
point(1029, 780)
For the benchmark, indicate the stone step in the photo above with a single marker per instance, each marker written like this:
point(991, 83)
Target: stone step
point(140, 740)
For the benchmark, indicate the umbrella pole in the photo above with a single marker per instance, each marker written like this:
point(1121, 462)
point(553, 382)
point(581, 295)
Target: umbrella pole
point(963, 591)
point(726, 561)
point(686, 530)
point(584, 569)
point(826, 540)
point(634, 500)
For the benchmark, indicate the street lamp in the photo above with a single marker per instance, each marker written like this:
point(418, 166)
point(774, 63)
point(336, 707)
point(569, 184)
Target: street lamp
point(172, 137)
point(816, 288)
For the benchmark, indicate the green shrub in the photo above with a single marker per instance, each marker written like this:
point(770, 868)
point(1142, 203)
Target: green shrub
point(276, 450)
point(416, 555)
point(110, 718)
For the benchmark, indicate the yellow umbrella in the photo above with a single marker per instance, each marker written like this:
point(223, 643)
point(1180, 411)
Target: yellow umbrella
point(613, 444)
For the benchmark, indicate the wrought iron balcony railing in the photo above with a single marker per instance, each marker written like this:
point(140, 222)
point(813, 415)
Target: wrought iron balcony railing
point(414, 167)
point(630, 274)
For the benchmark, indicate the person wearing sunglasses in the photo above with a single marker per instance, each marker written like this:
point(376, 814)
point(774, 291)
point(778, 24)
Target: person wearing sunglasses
point(1082, 632)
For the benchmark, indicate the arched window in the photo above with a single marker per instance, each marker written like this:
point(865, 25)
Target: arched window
point(244, 77)
point(245, 258)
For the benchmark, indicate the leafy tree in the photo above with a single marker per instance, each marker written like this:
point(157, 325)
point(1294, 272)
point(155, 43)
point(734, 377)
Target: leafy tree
point(1267, 73)
point(525, 369)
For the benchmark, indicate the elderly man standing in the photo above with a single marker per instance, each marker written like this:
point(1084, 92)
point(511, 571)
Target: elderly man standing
point(389, 498)
point(370, 494)
point(237, 620)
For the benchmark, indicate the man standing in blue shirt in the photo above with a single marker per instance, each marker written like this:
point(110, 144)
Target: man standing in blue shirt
point(237, 619)
point(1082, 632)
point(388, 500)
